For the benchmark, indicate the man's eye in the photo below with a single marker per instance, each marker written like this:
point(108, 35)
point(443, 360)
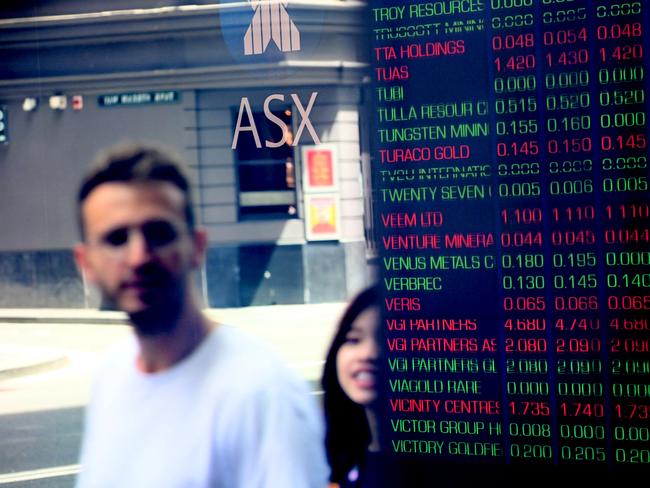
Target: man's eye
point(117, 237)
point(159, 233)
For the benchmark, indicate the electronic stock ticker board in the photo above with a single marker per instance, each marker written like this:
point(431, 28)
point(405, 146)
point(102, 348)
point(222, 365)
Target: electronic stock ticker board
point(510, 168)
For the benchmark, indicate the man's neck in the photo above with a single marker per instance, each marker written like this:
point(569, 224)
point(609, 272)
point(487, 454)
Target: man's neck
point(161, 352)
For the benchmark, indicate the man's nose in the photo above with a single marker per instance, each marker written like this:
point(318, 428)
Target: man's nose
point(138, 249)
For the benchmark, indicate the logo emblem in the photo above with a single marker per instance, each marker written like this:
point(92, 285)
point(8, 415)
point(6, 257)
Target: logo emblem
point(271, 22)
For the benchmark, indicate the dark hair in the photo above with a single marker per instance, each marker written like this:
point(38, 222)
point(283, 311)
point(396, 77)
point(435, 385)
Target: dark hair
point(137, 163)
point(347, 433)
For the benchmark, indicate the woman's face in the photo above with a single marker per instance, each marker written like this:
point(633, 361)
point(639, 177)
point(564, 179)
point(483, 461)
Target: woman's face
point(357, 365)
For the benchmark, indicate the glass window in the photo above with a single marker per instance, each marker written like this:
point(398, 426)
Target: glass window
point(266, 174)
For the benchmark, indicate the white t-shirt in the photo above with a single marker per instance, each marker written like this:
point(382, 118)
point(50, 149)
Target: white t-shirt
point(230, 415)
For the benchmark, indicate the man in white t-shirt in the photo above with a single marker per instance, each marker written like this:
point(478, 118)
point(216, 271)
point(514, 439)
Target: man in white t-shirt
point(188, 402)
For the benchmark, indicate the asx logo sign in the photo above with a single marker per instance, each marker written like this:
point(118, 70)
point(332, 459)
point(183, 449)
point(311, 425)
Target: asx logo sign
point(245, 106)
point(271, 22)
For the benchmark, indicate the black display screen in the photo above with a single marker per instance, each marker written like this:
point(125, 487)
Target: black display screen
point(511, 186)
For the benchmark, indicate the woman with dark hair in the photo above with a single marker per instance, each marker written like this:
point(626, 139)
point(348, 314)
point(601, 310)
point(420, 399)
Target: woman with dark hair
point(351, 384)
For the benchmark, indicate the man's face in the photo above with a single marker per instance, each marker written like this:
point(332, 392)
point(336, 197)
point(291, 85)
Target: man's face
point(137, 248)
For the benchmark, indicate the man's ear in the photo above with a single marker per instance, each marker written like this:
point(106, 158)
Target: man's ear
point(80, 252)
point(200, 246)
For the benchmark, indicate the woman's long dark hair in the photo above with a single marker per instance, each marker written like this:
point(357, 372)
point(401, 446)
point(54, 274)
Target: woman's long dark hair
point(347, 432)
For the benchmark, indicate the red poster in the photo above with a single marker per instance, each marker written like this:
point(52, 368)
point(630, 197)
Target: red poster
point(320, 168)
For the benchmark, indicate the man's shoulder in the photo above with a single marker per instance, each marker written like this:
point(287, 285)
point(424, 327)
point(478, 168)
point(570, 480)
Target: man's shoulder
point(248, 356)
point(118, 358)
point(233, 341)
